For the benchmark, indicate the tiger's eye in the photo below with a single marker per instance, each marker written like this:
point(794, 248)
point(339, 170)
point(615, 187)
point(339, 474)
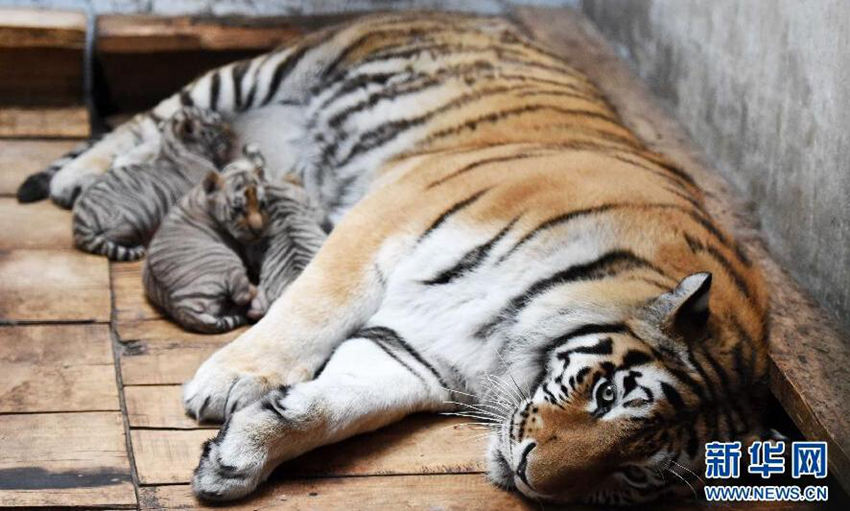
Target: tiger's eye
point(606, 393)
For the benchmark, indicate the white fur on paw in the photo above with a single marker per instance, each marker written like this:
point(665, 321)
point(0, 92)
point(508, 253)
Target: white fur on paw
point(227, 469)
point(68, 184)
point(239, 457)
point(216, 391)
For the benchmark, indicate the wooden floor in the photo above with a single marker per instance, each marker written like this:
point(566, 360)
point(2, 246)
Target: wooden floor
point(90, 373)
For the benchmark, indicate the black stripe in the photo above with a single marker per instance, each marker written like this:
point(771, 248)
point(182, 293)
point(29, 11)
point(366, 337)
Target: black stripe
point(387, 131)
point(609, 264)
point(186, 97)
point(386, 336)
point(545, 352)
point(603, 347)
point(451, 211)
point(395, 357)
point(237, 73)
point(215, 87)
point(672, 396)
point(560, 219)
point(481, 163)
point(471, 259)
point(634, 358)
point(493, 117)
point(283, 68)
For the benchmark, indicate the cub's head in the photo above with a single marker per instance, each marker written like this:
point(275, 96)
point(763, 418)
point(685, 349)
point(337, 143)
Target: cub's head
point(619, 413)
point(237, 197)
point(201, 132)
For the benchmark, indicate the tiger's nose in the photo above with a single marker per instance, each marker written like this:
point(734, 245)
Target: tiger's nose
point(255, 222)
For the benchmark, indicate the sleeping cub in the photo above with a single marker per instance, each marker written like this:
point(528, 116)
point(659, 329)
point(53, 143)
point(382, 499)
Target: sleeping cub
point(117, 215)
point(231, 227)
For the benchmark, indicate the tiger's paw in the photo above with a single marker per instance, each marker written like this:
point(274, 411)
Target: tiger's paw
point(225, 473)
point(250, 445)
point(216, 391)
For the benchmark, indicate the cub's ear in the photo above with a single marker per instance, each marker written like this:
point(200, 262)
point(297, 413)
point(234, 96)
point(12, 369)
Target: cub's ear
point(684, 310)
point(252, 152)
point(212, 182)
point(293, 178)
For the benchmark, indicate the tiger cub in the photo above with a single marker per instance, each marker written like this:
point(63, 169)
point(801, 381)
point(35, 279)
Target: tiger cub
point(118, 214)
point(226, 230)
point(294, 235)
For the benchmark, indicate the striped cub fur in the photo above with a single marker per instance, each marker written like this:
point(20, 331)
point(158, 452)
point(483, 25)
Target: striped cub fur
point(294, 235)
point(219, 237)
point(117, 215)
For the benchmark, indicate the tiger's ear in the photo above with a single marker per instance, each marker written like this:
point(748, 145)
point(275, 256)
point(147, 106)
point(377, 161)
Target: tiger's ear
point(212, 182)
point(684, 310)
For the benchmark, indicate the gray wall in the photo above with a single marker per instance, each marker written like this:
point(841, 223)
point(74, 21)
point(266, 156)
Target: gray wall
point(764, 87)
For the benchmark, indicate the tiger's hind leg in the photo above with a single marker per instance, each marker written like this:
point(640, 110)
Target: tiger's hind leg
point(234, 90)
point(369, 382)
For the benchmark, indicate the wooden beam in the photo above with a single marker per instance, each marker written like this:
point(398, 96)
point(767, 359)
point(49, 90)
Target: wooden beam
point(810, 370)
point(32, 28)
point(142, 34)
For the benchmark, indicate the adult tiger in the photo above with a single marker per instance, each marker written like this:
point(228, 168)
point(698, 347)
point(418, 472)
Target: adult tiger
point(498, 233)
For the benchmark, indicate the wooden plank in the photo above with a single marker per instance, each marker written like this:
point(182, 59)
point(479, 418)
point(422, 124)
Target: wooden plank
point(455, 492)
point(39, 225)
point(145, 33)
point(131, 304)
point(20, 158)
point(444, 492)
point(420, 444)
point(810, 372)
point(160, 352)
point(53, 285)
point(62, 459)
point(30, 28)
point(157, 406)
point(64, 122)
point(57, 368)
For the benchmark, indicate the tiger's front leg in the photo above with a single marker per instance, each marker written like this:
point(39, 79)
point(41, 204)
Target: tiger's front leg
point(369, 382)
point(335, 295)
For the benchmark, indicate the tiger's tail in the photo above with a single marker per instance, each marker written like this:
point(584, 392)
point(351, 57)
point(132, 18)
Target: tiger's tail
point(36, 186)
point(207, 323)
point(96, 242)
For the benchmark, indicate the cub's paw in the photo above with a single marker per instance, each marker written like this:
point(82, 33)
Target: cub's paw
point(216, 391)
point(68, 184)
point(259, 305)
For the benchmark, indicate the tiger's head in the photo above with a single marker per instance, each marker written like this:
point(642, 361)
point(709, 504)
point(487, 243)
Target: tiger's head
point(619, 413)
point(201, 132)
point(237, 197)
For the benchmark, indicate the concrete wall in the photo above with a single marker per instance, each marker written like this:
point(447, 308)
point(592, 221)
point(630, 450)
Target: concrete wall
point(764, 87)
